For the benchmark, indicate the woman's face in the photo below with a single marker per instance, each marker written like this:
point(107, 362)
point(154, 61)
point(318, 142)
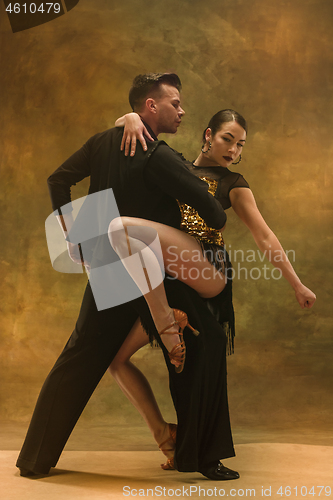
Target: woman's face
point(227, 144)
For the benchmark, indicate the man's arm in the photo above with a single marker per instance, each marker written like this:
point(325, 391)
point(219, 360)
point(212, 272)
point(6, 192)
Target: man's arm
point(167, 170)
point(73, 170)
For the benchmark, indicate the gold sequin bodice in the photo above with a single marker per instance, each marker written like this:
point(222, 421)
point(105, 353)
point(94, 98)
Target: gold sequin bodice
point(194, 225)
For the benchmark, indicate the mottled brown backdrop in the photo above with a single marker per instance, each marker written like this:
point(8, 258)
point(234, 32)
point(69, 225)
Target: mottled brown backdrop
point(68, 79)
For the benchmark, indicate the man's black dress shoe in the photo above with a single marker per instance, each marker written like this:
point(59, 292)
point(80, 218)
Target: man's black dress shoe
point(31, 474)
point(218, 472)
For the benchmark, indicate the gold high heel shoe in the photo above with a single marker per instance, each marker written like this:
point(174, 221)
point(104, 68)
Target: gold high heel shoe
point(178, 351)
point(169, 464)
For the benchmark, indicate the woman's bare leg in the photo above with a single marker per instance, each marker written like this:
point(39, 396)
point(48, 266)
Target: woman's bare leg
point(181, 256)
point(135, 385)
point(181, 253)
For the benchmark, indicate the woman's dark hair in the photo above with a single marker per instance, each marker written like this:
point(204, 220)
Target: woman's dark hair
point(224, 116)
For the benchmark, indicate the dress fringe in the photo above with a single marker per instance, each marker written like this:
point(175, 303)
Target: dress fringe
point(221, 305)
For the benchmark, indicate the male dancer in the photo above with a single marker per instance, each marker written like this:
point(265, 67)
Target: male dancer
point(145, 186)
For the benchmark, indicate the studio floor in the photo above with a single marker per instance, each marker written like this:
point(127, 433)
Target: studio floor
point(124, 465)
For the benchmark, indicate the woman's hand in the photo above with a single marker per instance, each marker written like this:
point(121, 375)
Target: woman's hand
point(304, 296)
point(134, 130)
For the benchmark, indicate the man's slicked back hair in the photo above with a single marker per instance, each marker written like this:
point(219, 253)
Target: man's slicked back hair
point(148, 85)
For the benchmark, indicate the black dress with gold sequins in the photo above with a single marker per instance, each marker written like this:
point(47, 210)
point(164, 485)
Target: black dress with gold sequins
point(221, 181)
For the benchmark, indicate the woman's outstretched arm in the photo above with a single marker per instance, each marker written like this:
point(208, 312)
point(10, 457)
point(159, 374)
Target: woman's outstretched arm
point(243, 203)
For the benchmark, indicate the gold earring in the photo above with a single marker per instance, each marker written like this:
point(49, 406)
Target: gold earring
point(239, 160)
point(210, 145)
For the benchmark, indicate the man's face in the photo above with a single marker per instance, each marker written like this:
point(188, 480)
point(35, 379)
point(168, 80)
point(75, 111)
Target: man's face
point(168, 110)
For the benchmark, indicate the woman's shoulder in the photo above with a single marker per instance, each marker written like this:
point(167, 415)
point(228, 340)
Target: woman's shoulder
point(235, 179)
point(229, 181)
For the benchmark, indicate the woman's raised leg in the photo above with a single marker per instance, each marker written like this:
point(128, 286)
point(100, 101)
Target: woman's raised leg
point(161, 245)
point(146, 248)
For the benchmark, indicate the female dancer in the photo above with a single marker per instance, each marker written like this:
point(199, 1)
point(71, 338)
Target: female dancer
point(223, 141)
